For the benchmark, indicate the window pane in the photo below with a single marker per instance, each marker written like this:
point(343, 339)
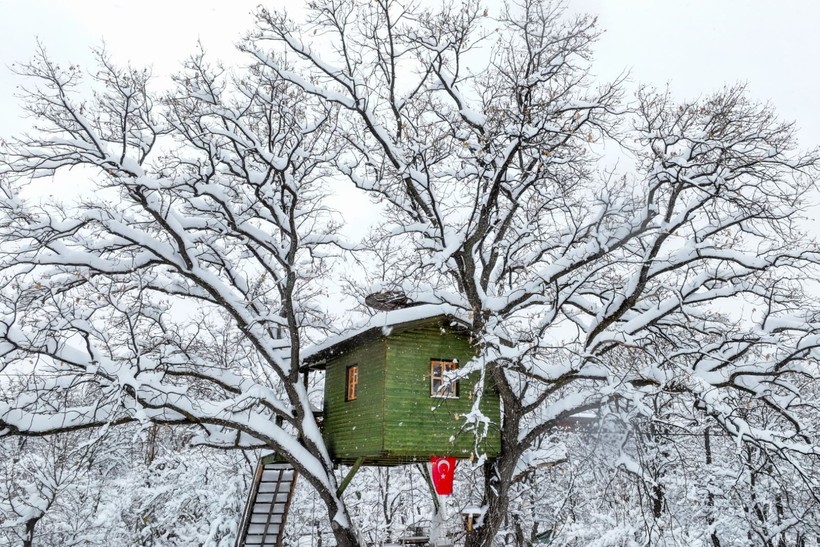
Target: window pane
point(438, 381)
point(352, 383)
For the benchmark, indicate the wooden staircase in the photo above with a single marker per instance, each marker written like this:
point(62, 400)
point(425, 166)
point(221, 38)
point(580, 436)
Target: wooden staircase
point(266, 511)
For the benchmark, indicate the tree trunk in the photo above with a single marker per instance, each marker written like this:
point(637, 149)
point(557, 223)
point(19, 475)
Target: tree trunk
point(710, 498)
point(28, 539)
point(498, 476)
point(340, 522)
point(345, 536)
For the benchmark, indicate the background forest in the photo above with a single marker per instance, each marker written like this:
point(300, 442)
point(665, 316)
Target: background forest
point(150, 488)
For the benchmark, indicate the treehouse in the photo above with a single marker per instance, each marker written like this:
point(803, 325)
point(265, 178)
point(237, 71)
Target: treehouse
point(391, 396)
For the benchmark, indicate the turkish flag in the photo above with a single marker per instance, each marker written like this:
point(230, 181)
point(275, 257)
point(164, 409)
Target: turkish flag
point(443, 470)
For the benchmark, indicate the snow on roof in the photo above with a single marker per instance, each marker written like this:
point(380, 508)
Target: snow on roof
point(384, 321)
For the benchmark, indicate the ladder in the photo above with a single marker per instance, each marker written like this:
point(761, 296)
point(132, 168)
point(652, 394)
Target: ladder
point(263, 523)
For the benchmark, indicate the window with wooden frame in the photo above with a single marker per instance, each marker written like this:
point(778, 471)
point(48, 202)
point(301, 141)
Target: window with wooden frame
point(352, 383)
point(440, 385)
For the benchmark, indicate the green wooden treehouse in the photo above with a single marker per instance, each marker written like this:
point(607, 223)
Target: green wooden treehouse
point(387, 396)
point(390, 398)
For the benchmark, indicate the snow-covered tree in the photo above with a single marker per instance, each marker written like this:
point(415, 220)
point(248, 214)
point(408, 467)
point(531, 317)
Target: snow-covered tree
point(81, 489)
point(46, 484)
point(183, 497)
point(682, 272)
point(173, 287)
point(178, 286)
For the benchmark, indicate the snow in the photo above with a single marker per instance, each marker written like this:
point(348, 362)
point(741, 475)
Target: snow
point(384, 322)
point(621, 295)
point(473, 117)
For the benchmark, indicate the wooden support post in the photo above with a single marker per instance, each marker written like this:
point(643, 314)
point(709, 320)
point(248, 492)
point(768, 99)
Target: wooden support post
point(349, 477)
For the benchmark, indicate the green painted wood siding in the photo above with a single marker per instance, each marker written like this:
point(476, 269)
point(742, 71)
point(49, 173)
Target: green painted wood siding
point(418, 425)
point(355, 428)
point(394, 419)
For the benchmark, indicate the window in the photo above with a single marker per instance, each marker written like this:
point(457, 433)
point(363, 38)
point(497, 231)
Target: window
point(352, 383)
point(439, 385)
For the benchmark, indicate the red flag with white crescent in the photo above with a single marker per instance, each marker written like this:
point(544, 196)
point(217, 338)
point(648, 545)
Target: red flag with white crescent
point(443, 471)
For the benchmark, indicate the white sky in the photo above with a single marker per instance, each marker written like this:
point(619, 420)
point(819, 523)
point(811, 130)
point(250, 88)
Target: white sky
point(699, 45)
point(694, 45)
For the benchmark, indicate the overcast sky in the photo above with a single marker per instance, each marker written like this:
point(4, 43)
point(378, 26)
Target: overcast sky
point(695, 46)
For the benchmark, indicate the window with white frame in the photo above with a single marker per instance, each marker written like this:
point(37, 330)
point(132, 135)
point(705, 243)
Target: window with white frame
point(441, 382)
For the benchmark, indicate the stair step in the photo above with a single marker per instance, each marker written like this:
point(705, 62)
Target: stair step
point(266, 511)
